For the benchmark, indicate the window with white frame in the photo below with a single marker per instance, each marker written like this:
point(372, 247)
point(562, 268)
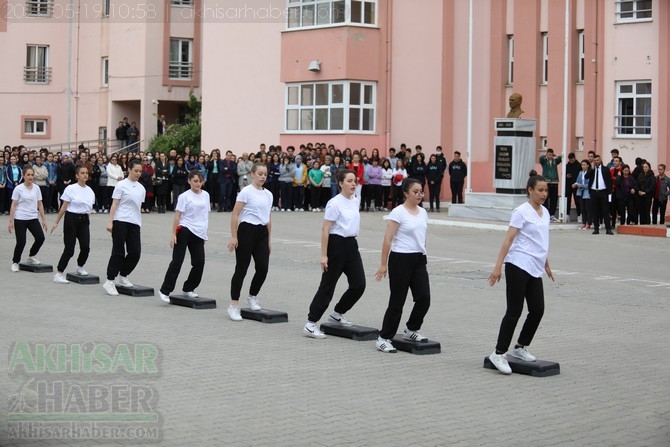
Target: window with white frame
point(39, 7)
point(105, 72)
point(510, 59)
point(633, 10)
point(181, 2)
point(633, 108)
point(181, 59)
point(581, 54)
point(35, 127)
point(336, 106)
point(37, 70)
point(313, 13)
point(545, 58)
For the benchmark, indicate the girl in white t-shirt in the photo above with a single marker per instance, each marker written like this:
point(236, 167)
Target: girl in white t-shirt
point(405, 239)
point(189, 230)
point(524, 253)
point(77, 202)
point(26, 208)
point(125, 220)
point(250, 228)
point(339, 254)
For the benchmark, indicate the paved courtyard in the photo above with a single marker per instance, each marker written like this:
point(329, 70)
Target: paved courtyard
point(224, 383)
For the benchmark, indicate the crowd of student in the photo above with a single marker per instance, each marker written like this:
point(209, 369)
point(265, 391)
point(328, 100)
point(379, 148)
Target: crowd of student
point(299, 180)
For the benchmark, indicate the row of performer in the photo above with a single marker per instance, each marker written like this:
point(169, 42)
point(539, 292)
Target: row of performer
point(403, 258)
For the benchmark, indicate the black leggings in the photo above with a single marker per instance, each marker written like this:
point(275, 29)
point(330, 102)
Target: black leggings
point(406, 271)
point(20, 227)
point(196, 248)
point(343, 257)
point(520, 285)
point(75, 227)
point(252, 241)
point(125, 236)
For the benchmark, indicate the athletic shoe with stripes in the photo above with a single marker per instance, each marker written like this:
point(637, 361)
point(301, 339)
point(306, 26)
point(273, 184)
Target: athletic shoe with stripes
point(413, 335)
point(385, 345)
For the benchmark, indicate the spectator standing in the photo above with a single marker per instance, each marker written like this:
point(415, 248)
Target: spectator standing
point(549, 163)
point(458, 170)
point(661, 194)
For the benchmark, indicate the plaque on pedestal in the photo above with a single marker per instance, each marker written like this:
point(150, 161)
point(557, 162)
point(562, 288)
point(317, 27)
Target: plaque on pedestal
point(514, 154)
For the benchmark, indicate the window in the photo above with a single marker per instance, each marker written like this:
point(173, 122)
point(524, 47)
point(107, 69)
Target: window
point(545, 58)
point(34, 127)
point(181, 59)
point(510, 59)
point(39, 7)
point(181, 2)
point(310, 13)
point(105, 72)
point(580, 65)
point(633, 11)
point(633, 108)
point(338, 106)
point(106, 7)
point(37, 70)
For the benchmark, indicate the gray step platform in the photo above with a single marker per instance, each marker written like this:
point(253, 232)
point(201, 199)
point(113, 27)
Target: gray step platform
point(193, 303)
point(264, 315)
point(354, 332)
point(36, 268)
point(135, 290)
point(416, 347)
point(82, 279)
point(538, 368)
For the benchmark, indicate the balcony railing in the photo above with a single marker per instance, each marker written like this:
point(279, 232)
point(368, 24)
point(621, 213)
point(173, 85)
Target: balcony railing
point(37, 75)
point(181, 70)
point(39, 7)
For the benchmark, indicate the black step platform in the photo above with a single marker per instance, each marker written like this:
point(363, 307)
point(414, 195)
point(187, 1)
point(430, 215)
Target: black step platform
point(264, 315)
point(82, 279)
point(135, 290)
point(36, 268)
point(538, 368)
point(193, 303)
point(416, 347)
point(354, 332)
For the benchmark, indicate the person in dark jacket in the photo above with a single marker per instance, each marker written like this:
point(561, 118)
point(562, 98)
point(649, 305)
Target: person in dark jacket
point(647, 185)
point(458, 170)
point(434, 179)
point(178, 179)
point(626, 189)
point(65, 173)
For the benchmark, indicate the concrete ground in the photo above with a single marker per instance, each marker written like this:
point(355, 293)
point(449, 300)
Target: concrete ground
point(225, 383)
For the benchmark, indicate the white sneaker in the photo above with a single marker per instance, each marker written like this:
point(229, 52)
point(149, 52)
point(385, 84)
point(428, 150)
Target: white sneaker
point(500, 362)
point(81, 271)
point(60, 279)
point(122, 281)
point(110, 288)
point(311, 330)
point(191, 294)
point(15, 267)
point(234, 313)
point(165, 298)
point(254, 303)
point(413, 335)
point(33, 260)
point(339, 318)
point(523, 354)
point(385, 345)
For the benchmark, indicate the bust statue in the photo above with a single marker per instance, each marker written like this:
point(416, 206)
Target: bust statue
point(515, 101)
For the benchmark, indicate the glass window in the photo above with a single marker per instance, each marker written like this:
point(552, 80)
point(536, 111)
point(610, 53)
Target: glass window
point(633, 108)
point(581, 67)
point(37, 70)
point(39, 7)
point(510, 59)
point(325, 107)
point(35, 126)
point(545, 58)
point(181, 59)
point(633, 10)
point(311, 13)
point(105, 71)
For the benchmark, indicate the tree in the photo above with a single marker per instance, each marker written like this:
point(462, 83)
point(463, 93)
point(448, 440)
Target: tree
point(178, 136)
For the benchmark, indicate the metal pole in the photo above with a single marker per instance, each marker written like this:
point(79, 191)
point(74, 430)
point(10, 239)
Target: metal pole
point(566, 71)
point(469, 138)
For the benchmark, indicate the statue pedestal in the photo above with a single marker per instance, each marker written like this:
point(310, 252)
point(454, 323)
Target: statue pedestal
point(513, 154)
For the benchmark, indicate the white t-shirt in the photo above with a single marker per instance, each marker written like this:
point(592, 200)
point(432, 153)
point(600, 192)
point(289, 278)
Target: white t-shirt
point(195, 212)
point(131, 195)
point(531, 244)
point(411, 235)
point(26, 206)
point(257, 205)
point(80, 199)
point(345, 215)
point(113, 174)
